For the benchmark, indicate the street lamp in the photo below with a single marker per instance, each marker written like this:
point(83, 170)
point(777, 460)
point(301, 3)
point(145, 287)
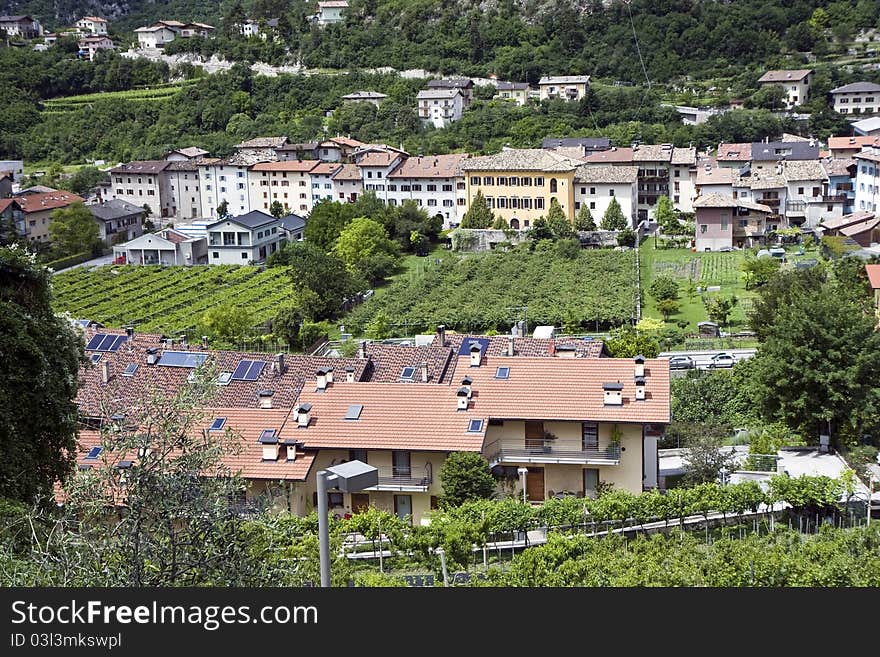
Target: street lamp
point(349, 478)
point(522, 476)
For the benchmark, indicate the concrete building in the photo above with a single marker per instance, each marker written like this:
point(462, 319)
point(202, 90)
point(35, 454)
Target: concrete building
point(724, 222)
point(434, 182)
point(14, 167)
point(795, 84)
point(867, 182)
point(37, 210)
point(322, 181)
point(226, 179)
point(246, 239)
point(144, 183)
point(183, 188)
point(287, 182)
point(92, 25)
point(118, 221)
point(166, 247)
point(372, 97)
point(90, 46)
point(331, 11)
point(857, 98)
point(154, 36)
point(439, 107)
point(465, 86)
point(867, 127)
point(376, 162)
point(348, 183)
point(566, 87)
point(517, 92)
point(597, 185)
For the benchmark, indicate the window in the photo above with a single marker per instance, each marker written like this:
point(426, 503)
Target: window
point(416, 188)
point(589, 436)
point(610, 192)
point(724, 221)
point(502, 180)
point(357, 455)
point(447, 188)
point(592, 205)
point(400, 464)
point(432, 202)
point(488, 180)
point(592, 191)
point(743, 223)
point(244, 255)
point(475, 180)
point(553, 186)
point(678, 173)
point(215, 254)
point(502, 373)
point(539, 181)
point(703, 228)
point(431, 188)
point(539, 204)
point(475, 426)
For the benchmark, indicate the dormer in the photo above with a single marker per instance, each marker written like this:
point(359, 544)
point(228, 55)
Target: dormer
point(613, 394)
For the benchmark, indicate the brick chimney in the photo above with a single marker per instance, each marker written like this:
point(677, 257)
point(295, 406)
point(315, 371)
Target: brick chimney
point(280, 367)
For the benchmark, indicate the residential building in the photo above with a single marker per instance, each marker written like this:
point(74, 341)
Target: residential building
point(439, 107)
point(15, 167)
point(566, 87)
point(144, 183)
point(517, 92)
point(90, 45)
point(654, 163)
point(185, 154)
point(166, 247)
point(154, 36)
point(37, 209)
point(519, 184)
point(715, 179)
point(331, 11)
point(294, 227)
point(262, 149)
point(20, 26)
point(92, 25)
point(434, 182)
point(734, 155)
point(348, 183)
point(246, 239)
point(375, 163)
point(259, 28)
point(856, 98)
point(867, 182)
point(846, 147)
point(724, 222)
point(301, 151)
point(765, 187)
point(182, 179)
point(322, 181)
point(188, 30)
point(372, 97)
point(226, 179)
point(841, 181)
point(335, 149)
point(577, 147)
point(464, 85)
point(807, 198)
point(863, 227)
point(768, 154)
point(11, 211)
point(118, 221)
point(867, 126)
point(286, 181)
point(5, 184)
point(683, 169)
point(696, 115)
point(596, 185)
point(795, 84)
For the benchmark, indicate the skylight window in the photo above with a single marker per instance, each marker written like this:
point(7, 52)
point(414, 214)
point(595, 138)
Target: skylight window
point(224, 378)
point(94, 452)
point(95, 357)
point(408, 374)
point(502, 373)
point(475, 426)
point(130, 370)
point(354, 412)
point(217, 424)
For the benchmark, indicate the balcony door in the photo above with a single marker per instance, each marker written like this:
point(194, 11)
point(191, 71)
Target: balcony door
point(535, 484)
point(591, 482)
point(590, 436)
point(534, 435)
point(400, 465)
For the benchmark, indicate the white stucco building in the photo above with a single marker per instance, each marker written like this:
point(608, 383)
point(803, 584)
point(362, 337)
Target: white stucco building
point(240, 240)
point(440, 107)
point(434, 182)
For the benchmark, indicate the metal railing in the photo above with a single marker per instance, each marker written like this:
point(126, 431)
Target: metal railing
point(550, 454)
point(406, 477)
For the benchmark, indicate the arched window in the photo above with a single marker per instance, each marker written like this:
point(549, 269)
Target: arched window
point(553, 186)
point(514, 223)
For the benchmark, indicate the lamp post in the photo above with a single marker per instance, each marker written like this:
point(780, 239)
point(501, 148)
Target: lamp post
point(522, 476)
point(349, 478)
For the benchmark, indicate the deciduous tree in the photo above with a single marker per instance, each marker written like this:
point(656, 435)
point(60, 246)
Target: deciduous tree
point(74, 230)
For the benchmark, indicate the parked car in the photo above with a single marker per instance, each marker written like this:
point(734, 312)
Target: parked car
point(722, 360)
point(681, 363)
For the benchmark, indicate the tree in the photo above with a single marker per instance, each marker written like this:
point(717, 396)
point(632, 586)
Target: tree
point(41, 359)
point(363, 239)
point(719, 308)
point(478, 215)
point(540, 230)
point(663, 288)
point(664, 215)
point(465, 476)
point(500, 223)
point(626, 237)
point(228, 323)
point(287, 323)
point(668, 307)
point(277, 209)
point(705, 457)
point(557, 222)
point(771, 97)
point(74, 230)
point(583, 220)
point(223, 209)
point(628, 342)
point(778, 293)
point(758, 271)
point(613, 218)
point(233, 20)
point(379, 328)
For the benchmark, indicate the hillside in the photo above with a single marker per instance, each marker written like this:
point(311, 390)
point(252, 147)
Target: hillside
point(521, 39)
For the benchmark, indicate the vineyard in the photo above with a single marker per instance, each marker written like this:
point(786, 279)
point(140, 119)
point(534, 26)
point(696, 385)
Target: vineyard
point(73, 103)
point(487, 292)
point(168, 299)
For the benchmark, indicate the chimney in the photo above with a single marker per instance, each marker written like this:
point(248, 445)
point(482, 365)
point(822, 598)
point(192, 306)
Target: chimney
point(551, 348)
point(424, 367)
point(441, 335)
point(349, 374)
point(613, 394)
point(280, 367)
point(129, 331)
point(205, 341)
point(329, 375)
point(511, 342)
point(466, 385)
point(303, 415)
point(362, 349)
point(463, 396)
point(183, 339)
point(475, 351)
point(640, 387)
point(640, 366)
point(291, 449)
point(105, 371)
point(266, 398)
point(322, 379)
point(152, 356)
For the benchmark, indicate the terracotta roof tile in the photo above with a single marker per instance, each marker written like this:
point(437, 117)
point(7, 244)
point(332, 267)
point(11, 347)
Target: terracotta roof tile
point(430, 166)
point(47, 201)
point(287, 165)
point(873, 272)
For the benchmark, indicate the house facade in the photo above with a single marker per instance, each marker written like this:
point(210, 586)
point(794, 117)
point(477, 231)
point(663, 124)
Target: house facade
point(144, 183)
point(225, 179)
point(91, 45)
point(92, 25)
point(118, 221)
point(154, 36)
point(857, 98)
point(596, 185)
point(465, 87)
point(245, 239)
point(794, 83)
point(724, 222)
point(434, 182)
point(439, 107)
point(863, 227)
point(331, 11)
point(322, 181)
point(287, 182)
point(565, 87)
point(371, 97)
point(166, 247)
point(24, 27)
point(375, 164)
point(182, 177)
point(37, 209)
point(517, 92)
point(867, 182)
point(348, 183)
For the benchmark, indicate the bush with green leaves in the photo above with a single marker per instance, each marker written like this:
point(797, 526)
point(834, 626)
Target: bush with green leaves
point(465, 476)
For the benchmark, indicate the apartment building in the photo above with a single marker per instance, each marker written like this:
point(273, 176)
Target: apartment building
point(225, 179)
point(348, 183)
point(596, 185)
point(376, 162)
point(516, 92)
point(857, 98)
point(867, 182)
point(287, 182)
point(434, 182)
point(245, 239)
point(144, 183)
point(795, 84)
point(37, 209)
point(439, 107)
point(565, 87)
point(322, 181)
point(182, 177)
point(723, 222)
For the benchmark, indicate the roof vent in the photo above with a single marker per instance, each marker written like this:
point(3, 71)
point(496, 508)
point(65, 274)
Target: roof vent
point(466, 384)
point(463, 396)
point(640, 387)
point(321, 375)
point(613, 394)
point(303, 415)
point(640, 365)
point(265, 398)
point(475, 350)
point(280, 367)
point(424, 368)
point(349, 374)
point(152, 355)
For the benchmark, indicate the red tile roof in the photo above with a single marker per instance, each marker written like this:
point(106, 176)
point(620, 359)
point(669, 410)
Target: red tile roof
point(348, 172)
point(286, 165)
point(873, 275)
point(734, 152)
point(373, 159)
point(346, 141)
point(853, 143)
point(388, 361)
point(531, 347)
point(611, 156)
point(326, 168)
point(47, 201)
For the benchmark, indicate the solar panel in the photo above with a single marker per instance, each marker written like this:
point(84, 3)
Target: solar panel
point(95, 341)
point(354, 411)
point(502, 373)
point(182, 358)
point(248, 370)
point(217, 424)
point(465, 348)
point(105, 342)
point(130, 370)
point(475, 426)
point(94, 452)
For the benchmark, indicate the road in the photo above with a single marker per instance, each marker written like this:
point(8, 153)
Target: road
point(703, 358)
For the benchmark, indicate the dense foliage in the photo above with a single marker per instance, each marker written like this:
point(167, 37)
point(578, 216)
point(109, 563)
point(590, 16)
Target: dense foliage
point(477, 292)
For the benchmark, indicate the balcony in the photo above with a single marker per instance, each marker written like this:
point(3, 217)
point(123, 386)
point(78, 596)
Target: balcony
point(404, 480)
point(795, 207)
point(508, 453)
point(770, 202)
point(839, 198)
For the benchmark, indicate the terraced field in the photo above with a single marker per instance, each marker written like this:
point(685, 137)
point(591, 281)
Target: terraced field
point(168, 299)
point(73, 103)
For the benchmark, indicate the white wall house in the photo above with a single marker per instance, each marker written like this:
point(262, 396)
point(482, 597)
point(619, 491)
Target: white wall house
point(90, 45)
point(331, 12)
point(434, 182)
point(224, 180)
point(372, 97)
point(286, 181)
point(857, 98)
point(143, 183)
point(596, 185)
point(375, 164)
point(440, 107)
point(166, 247)
point(683, 170)
point(348, 183)
point(795, 84)
point(154, 36)
point(92, 25)
point(566, 87)
point(517, 92)
point(183, 186)
point(252, 237)
point(322, 181)
point(868, 180)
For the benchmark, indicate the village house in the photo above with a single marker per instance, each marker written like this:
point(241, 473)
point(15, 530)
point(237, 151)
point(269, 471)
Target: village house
point(245, 239)
point(465, 86)
point(517, 92)
point(734, 156)
point(519, 184)
point(262, 149)
point(439, 107)
point(372, 97)
point(330, 11)
point(90, 46)
point(565, 87)
point(375, 163)
point(434, 183)
point(712, 179)
point(807, 197)
point(11, 211)
point(866, 127)
point(14, 167)
point(118, 220)
point(182, 178)
point(286, 181)
point(38, 208)
point(185, 154)
point(6, 183)
point(856, 98)
point(863, 227)
point(154, 36)
point(348, 183)
point(596, 185)
point(841, 174)
point(768, 154)
point(867, 182)
point(227, 179)
point(795, 84)
point(723, 222)
point(24, 27)
point(92, 25)
point(846, 147)
point(683, 168)
point(144, 183)
point(322, 181)
point(165, 247)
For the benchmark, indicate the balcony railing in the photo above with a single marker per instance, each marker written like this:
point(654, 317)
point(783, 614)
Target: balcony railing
point(506, 453)
point(405, 479)
point(795, 207)
point(772, 202)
